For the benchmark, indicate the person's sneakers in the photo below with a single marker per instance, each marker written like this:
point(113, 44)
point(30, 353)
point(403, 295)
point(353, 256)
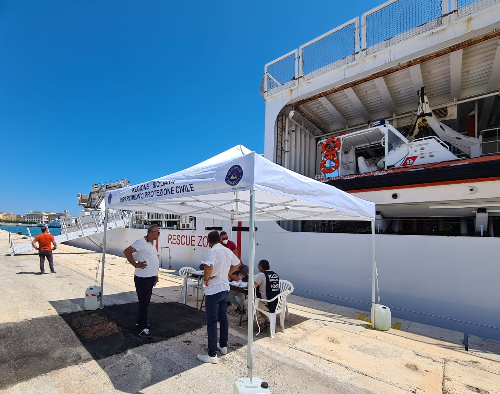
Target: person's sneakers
point(42, 272)
point(207, 359)
point(145, 333)
point(223, 350)
point(52, 272)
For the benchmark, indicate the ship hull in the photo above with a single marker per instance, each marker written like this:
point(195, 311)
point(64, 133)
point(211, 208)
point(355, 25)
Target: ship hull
point(425, 279)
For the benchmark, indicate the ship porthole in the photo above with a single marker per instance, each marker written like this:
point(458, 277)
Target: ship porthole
point(395, 196)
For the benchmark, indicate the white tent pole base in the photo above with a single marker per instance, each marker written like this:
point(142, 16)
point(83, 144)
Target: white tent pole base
point(247, 386)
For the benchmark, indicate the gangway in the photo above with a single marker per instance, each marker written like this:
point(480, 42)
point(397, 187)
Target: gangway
point(115, 220)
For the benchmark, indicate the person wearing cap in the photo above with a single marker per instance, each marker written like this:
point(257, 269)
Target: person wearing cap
point(45, 242)
point(224, 239)
point(219, 264)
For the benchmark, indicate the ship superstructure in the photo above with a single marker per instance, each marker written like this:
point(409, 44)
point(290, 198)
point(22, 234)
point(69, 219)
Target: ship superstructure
point(336, 86)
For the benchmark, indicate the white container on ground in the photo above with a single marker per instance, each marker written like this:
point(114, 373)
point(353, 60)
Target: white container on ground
point(92, 298)
point(243, 386)
point(382, 317)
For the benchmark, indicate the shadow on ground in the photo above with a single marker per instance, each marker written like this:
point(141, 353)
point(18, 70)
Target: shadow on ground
point(34, 347)
point(41, 345)
point(28, 273)
point(112, 330)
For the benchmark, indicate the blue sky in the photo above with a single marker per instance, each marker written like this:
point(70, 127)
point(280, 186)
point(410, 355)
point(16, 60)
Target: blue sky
point(94, 91)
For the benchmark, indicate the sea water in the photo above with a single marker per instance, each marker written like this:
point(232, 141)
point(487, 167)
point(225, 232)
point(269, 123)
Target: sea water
point(34, 230)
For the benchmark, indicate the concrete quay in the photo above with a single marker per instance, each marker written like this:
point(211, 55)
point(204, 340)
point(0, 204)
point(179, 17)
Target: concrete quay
point(325, 348)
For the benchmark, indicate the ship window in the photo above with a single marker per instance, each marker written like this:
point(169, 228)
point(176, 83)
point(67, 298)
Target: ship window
point(393, 141)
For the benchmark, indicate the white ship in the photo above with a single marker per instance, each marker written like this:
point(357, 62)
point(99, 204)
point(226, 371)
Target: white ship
point(354, 113)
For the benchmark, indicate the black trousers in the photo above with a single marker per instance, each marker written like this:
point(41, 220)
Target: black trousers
point(144, 289)
point(46, 253)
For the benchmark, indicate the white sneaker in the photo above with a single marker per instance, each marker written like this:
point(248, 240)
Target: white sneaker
point(223, 350)
point(207, 359)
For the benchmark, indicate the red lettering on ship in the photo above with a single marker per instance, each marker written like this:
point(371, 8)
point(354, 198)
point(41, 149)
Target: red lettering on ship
point(409, 161)
point(187, 240)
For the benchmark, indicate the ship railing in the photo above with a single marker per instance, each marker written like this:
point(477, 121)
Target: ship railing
point(399, 20)
point(281, 74)
point(490, 141)
point(332, 50)
point(116, 219)
point(465, 8)
point(389, 24)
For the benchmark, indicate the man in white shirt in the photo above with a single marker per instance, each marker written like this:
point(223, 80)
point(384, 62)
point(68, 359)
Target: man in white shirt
point(142, 254)
point(220, 263)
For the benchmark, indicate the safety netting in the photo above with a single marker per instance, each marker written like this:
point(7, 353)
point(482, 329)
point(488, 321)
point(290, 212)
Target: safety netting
point(400, 20)
point(280, 74)
point(331, 50)
point(468, 7)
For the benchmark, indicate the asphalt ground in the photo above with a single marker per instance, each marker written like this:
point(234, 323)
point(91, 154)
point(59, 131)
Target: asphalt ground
point(34, 347)
point(49, 344)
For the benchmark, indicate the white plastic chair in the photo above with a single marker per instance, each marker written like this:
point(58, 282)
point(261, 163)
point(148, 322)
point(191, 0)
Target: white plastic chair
point(284, 286)
point(185, 272)
point(280, 309)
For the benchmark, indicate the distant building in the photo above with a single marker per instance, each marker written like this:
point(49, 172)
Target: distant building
point(52, 216)
point(35, 217)
point(21, 218)
point(56, 216)
point(8, 216)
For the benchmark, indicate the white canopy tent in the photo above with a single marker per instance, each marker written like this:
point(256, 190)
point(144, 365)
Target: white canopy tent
point(239, 184)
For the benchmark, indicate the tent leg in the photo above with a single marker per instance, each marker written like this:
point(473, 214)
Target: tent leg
point(103, 254)
point(251, 267)
point(374, 274)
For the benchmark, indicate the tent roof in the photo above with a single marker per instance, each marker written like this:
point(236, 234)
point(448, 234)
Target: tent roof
point(219, 188)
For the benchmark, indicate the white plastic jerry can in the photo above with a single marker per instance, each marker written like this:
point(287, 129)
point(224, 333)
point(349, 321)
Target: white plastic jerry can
point(92, 298)
point(382, 317)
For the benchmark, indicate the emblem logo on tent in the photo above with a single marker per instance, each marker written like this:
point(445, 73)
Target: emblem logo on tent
point(234, 175)
point(109, 198)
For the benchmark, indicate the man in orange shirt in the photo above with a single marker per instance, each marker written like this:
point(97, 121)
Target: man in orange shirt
point(45, 242)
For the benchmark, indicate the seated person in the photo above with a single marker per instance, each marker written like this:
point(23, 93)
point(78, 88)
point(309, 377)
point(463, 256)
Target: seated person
point(268, 287)
point(235, 298)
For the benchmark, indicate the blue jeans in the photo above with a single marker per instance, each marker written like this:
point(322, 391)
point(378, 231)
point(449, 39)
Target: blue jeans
point(216, 310)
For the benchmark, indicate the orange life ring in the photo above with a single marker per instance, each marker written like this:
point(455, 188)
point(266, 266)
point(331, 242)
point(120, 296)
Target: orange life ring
point(334, 164)
point(336, 146)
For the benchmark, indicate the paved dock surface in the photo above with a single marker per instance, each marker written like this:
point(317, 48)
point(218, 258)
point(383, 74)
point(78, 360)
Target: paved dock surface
point(325, 348)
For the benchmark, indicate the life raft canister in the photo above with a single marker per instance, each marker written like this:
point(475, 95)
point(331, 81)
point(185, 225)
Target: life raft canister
point(334, 164)
point(334, 144)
